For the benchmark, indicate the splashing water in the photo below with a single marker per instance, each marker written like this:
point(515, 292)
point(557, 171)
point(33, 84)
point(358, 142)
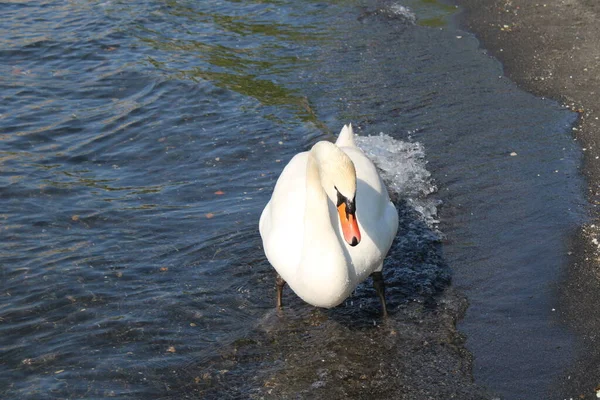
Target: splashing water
point(403, 168)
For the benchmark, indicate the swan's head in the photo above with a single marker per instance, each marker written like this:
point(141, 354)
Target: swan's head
point(338, 178)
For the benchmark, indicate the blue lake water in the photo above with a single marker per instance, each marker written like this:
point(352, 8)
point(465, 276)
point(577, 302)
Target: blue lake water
point(139, 142)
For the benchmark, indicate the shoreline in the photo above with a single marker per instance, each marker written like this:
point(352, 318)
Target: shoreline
point(552, 49)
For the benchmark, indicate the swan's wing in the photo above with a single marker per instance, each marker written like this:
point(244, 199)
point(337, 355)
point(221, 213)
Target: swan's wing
point(281, 223)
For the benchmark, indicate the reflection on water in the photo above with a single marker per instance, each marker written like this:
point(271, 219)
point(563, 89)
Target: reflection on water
point(140, 143)
point(131, 195)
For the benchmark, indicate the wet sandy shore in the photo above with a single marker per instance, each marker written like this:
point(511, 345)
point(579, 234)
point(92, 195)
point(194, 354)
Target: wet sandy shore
point(552, 49)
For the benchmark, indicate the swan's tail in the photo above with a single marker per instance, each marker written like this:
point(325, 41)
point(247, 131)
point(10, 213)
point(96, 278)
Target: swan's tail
point(346, 137)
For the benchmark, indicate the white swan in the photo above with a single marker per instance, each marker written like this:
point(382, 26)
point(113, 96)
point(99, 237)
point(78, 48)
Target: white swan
point(329, 223)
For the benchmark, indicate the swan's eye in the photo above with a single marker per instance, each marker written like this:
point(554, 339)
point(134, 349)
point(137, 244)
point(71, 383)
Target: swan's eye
point(350, 205)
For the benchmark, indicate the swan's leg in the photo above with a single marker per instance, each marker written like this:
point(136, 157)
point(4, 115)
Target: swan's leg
point(280, 284)
point(379, 286)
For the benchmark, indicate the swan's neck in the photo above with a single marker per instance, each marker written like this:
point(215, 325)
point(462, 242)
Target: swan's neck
point(323, 265)
point(316, 212)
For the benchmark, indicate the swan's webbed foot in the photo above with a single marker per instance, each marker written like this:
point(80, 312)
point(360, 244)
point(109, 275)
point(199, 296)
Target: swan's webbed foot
point(379, 286)
point(280, 283)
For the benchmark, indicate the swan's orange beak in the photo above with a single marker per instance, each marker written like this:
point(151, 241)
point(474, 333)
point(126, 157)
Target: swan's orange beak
point(349, 225)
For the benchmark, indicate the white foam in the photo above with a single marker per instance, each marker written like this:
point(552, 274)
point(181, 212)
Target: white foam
point(403, 168)
point(402, 11)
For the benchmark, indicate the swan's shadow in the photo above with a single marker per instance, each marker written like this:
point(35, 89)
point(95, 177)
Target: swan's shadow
point(321, 353)
point(306, 352)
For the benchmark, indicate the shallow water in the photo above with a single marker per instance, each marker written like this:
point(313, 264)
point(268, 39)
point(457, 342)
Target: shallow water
point(140, 141)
